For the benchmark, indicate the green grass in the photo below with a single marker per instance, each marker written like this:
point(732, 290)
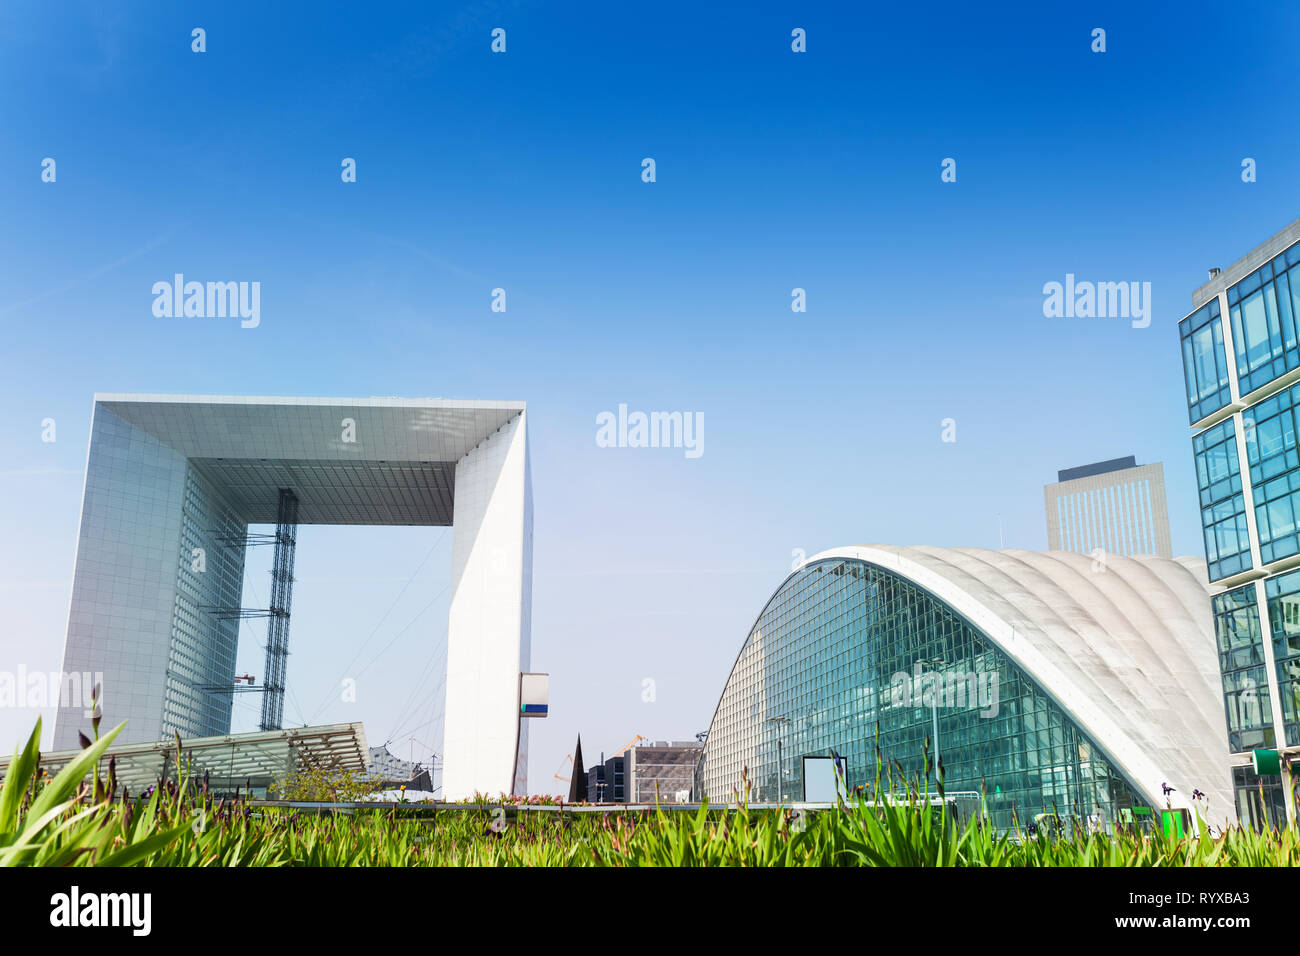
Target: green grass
point(74, 820)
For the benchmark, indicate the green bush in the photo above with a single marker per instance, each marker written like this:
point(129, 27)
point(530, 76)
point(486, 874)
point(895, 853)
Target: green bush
point(75, 819)
point(322, 785)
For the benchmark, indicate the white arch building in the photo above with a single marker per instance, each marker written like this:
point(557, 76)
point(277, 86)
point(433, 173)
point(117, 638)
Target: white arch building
point(172, 483)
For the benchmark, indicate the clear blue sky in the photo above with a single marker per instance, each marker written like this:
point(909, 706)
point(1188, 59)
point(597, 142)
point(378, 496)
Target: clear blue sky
point(476, 170)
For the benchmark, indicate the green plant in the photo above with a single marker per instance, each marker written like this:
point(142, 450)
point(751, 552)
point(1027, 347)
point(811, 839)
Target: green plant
point(322, 784)
point(79, 818)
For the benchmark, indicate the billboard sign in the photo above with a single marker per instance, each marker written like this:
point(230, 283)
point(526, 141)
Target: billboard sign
point(534, 694)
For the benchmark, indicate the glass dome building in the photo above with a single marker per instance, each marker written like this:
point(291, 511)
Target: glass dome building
point(1058, 683)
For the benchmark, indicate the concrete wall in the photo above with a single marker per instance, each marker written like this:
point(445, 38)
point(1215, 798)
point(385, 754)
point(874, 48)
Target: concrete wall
point(488, 629)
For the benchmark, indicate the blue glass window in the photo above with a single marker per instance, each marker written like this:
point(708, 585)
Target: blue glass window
point(1241, 662)
point(1263, 307)
point(1223, 507)
point(1205, 363)
point(1269, 429)
point(1284, 620)
point(1261, 803)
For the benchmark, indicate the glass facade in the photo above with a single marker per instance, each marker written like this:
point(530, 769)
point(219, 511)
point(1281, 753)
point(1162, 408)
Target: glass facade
point(846, 648)
point(1283, 594)
point(1258, 315)
point(1205, 362)
point(127, 559)
point(1223, 508)
point(1259, 799)
point(204, 641)
point(1269, 431)
point(151, 570)
point(1242, 664)
point(1263, 307)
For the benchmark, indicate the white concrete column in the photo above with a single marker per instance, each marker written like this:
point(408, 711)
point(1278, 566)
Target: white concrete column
point(490, 619)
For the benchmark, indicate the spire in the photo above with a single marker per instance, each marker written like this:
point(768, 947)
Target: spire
point(578, 781)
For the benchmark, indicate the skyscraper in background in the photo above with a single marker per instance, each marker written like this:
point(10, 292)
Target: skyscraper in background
point(1241, 361)
point(1115, 506)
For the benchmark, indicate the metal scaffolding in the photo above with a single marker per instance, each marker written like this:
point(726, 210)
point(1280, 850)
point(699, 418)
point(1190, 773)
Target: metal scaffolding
point(277, 628)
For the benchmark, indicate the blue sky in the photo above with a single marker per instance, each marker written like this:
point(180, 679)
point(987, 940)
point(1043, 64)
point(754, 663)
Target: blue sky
point(522, 171)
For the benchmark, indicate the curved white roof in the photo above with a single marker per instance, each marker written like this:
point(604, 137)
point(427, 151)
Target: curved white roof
point(1128, 651)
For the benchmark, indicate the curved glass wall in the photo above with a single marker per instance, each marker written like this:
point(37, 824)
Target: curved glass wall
point(845, 646)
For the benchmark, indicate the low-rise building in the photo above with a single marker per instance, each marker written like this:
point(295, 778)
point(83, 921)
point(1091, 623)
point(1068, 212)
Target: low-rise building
point(657, 771)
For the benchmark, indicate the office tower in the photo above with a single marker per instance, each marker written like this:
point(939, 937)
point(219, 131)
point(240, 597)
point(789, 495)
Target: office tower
point(1115, 506)
point(1241, 362)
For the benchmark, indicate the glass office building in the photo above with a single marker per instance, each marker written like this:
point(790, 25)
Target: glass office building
point(1056, 684)
point(1241, 363)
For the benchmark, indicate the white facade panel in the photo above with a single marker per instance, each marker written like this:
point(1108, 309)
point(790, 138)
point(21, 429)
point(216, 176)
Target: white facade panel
point(488, 639)
point(124, 580)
